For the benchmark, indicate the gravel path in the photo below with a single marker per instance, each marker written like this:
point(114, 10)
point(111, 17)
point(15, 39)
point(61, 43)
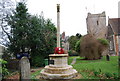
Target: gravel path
point(74, 61)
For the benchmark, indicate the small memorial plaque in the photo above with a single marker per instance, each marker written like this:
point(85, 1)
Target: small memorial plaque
point(51, 62)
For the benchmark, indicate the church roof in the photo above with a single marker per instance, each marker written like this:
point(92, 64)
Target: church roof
point(115, 25)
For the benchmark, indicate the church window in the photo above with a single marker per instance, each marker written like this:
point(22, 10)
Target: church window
point(97, 23)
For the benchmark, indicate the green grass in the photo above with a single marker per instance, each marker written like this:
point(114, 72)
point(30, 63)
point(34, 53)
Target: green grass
point(33, 75)
point(85, 67)
point(100, 66)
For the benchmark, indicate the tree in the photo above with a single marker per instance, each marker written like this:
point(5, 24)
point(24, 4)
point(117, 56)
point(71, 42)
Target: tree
point(72, 44)
point(78, 35)
point(77, 46)
point(31, 34)
point(50, 36)
point(19, 23)
point(45, 35)
point(6, 9)
point(73, 39)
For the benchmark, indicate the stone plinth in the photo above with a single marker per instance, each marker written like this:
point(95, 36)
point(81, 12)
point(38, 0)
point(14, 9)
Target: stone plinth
point(60, 69)
point(60, 60)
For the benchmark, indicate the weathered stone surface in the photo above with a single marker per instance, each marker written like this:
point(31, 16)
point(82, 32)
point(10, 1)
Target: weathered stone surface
point(58, 55)
point(24, 68)
point(60, 69)
point(72, 73)
point(96, 25)
point(60, 60)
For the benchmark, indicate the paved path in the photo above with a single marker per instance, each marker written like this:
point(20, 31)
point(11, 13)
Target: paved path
point(74, 61)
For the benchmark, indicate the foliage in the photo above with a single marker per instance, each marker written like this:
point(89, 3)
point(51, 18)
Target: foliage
point(93, 48)
point(78, 35)
point(103, 41)
point(37, 61)
point(45, 40)
point(72, 53)
point(31, 34)
point(89, 49)
point(77, 46)
point(19, 29)
point(73, 40)
point(3, 69)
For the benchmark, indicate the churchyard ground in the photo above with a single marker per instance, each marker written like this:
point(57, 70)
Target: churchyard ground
point(97, 69)
point(93, 69)
point(90, 69)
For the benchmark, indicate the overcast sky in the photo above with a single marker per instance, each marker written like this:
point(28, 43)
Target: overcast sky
point(73, 13)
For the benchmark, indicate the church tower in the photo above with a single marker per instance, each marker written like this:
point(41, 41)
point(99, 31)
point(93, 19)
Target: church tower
point(96, 25)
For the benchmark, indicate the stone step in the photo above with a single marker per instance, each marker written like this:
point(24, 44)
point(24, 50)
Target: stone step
point(55, 66)
point(60, 68)
point(70, 75)
point(64, 70)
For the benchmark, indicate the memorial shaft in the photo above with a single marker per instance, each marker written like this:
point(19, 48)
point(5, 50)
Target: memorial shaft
point(58, 25)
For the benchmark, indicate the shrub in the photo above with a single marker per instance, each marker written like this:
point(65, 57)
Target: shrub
point(103, 41)
point(92, 48)
point(96, 73)
point(89, 47)
point(37, 61)
point(116, 76)
point(3, 69)
point(103, 45)
point(108, 75)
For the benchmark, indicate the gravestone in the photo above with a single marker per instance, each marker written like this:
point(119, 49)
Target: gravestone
point(24, 69)
point(107, 57)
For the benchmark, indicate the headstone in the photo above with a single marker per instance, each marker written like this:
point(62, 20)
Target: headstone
point(107, 57)
point(24, 69)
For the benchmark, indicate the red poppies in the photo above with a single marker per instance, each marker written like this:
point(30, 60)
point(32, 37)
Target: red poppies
point(59, 50)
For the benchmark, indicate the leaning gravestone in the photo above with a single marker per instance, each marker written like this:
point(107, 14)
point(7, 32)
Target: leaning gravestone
point(24, 69)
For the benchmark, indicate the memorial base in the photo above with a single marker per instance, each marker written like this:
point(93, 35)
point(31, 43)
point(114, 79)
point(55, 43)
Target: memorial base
point(60, 69)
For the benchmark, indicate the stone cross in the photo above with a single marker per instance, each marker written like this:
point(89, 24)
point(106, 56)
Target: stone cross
point(24, 69)
point(58, 25)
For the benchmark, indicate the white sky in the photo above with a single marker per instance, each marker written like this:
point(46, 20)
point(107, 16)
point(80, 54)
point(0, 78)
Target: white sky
point(73, 13)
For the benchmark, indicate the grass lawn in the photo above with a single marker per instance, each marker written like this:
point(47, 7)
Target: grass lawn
point(33, 75)
point(92, 69)
point(96, 69)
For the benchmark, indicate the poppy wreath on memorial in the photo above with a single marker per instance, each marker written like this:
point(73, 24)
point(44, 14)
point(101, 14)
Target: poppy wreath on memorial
point(59, 50)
